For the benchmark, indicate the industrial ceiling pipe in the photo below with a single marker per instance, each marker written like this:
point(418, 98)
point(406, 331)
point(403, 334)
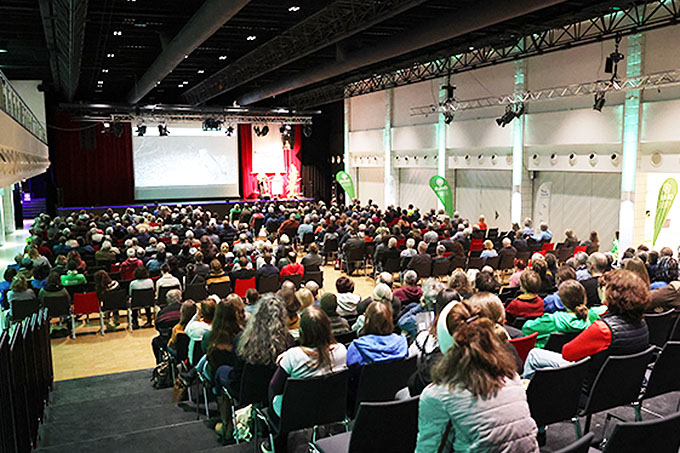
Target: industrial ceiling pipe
point(457, 23)
point(202, 25)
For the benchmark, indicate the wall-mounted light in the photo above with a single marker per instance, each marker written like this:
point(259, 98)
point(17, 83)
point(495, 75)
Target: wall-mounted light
point(553, 158)
point(593, 159)
point(572, 159)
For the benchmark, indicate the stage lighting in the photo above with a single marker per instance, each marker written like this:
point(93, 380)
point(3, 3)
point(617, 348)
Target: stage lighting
point(265, 130)
point(448, 117)
point(163, 130)
point(257, 131)
point(508, 116)
point(307, 130)
point(212, 124)
point(229, 131)
point(599, 101)
point(141, 130)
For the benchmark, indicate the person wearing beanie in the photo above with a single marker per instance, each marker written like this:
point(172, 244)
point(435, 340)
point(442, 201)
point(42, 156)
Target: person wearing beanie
point(329, 305)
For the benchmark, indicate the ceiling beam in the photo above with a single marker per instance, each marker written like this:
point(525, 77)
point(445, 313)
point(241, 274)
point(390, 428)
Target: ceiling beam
point(339, 20)
point(64, 27)
point(212, 15)
point(469, 18)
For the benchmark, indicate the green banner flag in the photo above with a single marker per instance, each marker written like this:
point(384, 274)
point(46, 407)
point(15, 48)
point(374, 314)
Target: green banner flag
point(667, 193)
point(443, 191)
point(345, 181)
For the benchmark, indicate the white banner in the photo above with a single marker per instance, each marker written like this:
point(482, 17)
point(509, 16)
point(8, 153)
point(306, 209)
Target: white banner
point(542, 204)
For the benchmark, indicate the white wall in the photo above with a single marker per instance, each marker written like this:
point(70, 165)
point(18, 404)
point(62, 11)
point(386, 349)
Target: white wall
point(34, 99)
point(371, 185)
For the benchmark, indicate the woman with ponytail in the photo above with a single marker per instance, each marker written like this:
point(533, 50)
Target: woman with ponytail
point(476, 402)
point(576, 319)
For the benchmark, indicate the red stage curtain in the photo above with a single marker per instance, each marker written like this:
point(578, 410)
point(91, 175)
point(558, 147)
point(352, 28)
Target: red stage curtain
point(292, 159)
point(91, 169)
point(245, 146)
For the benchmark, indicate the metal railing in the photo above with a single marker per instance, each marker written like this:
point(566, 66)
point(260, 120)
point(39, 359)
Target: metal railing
point(14, 106)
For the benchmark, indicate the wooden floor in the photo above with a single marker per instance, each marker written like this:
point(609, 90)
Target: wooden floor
point(91, 354)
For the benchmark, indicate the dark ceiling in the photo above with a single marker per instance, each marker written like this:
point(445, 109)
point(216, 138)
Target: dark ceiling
point(145, 24)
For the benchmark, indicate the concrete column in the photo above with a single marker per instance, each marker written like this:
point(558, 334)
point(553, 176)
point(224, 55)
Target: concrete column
point(8, 210)
point(521, 183)
point(631, 212)
point(391, 173)
point(348, 119)
point(441, 148)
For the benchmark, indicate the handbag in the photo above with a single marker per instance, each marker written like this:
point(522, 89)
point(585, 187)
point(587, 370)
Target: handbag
point(179, 392)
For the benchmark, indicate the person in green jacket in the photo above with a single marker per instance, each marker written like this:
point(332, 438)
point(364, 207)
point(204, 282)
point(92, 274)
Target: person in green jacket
point(576, 319)
point(72, 277)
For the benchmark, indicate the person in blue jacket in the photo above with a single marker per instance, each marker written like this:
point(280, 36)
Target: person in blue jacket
point(377, 341)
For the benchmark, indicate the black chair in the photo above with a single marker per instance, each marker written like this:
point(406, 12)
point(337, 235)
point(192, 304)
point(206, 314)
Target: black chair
point(396, 421)
point(195, 292)
point(114, 301)
point(58, 306)
point(459, 262)
point(549, 406)
point(508, 294)
point(22, 309)
point(675, 330)
point(313, 276)
point(663, 378)
point(307, 238)
point(627, 371)
point(441, 268)
point(346, 338)
point(424, 270)
point(143, 298)
point(659, 326)
point(19, 392)
point(295, 278)
point(475, 262)
point(181, 347)
point(330, 248)
point(222, 289)
point(493, 262)
point(392, 265)
point(380, 381)
point(507, 262)
point(300, 406)
point(7, 427)
point(582, 445)
point(524, 255)
point(268, 284)
point(163, 293)
point(658, 436)
point(557, 340)
point(73, 289)
point(354, 256)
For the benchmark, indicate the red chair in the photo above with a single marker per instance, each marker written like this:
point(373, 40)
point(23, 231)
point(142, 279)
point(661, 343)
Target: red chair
point(578, 249)
point(549, 247)
point(83, 304)
point(242, 285)
point(524, 345)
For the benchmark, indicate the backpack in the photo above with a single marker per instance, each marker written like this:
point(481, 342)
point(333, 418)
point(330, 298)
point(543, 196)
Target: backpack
point(161, 377)
point(422, 377)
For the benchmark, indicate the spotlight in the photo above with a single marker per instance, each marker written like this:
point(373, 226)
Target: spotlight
point(265, 130)
point(448, 117)
point(229, 131)
point(257, 131)
point(212, 124)
point(307, 130)
point(508, 116)
point(141, 130)
point(599, 101)
point(163, 130)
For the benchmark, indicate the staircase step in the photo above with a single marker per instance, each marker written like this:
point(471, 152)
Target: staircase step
point(119, 384)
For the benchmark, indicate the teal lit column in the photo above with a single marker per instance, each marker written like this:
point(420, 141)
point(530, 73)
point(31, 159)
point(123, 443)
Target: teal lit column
point(391, 173)
point(521, 197)
point(441, 148)
point(629, 221)
point(8, 210)
point(348, 122)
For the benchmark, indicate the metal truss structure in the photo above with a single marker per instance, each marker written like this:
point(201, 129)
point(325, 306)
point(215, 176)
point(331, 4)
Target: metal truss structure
point(621, 21)
point(657, 80)
point(339, 20)
point(185, 113)
point(64, 23)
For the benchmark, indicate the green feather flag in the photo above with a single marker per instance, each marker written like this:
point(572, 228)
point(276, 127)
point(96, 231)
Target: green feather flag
point(346, 183)
point(443, 191)
point(667, 193)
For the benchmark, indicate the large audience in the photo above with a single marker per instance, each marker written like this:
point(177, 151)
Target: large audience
point(469, 375)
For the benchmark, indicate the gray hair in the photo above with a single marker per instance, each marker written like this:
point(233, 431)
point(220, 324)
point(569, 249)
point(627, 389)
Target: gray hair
point(410, 243)
point(386, 278)
point(392, 242)
point(174, 296)
point(382, 293)
point(410, 277)
point(266, 334)
point(313, 287)
point(581, 258)
point(431, 289)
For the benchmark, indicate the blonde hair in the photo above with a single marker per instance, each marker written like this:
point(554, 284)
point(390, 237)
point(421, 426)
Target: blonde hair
point(305, 297)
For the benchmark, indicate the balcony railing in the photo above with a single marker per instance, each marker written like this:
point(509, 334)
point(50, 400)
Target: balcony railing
point(14, 106)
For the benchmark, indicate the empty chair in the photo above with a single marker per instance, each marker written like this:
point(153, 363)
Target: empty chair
point(582, 445)
point(141, 298)
point(475, 262)
point(221, 289)
point(658, 436)
point(354, 256)
point(664, 376)
point(295, 278)
point(330, 248)
point(392, 265)
point(550, 406)
point(380, 381)
point(241, 285)
point(268, 284)
point(524, 255)
point(74, 289)
point(579, 249)
point(313, 276)
point(114, 301)
point(195, 292)
point(557, 340)
point(395, 421)
point(493, 262)
point(547, 247)
point(524, 344)
point(22, 309)
point(659, 325)
point(58, 307)
point(301, 408)
point(83, 304)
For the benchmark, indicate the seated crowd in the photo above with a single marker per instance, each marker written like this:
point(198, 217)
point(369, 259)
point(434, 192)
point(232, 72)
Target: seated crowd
point(469, 375)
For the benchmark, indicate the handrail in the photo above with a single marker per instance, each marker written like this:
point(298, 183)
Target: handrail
point(12, 104)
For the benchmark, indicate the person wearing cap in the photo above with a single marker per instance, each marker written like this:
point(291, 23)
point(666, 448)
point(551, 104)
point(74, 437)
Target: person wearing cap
point(329, 305)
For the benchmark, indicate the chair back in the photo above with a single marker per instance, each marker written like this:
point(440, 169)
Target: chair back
point(75, 289)
point(300, 406)
point(581, 445)
point(7, 429)
point(557, 340)
point(547, 247)
point(492, 233)
point(85, 303)
point(396, 421)
point(564, 254)
point(22, 309)
point(347, 337)
point(459, 262)
point(507, 294)
point(313, 276)
point(493, 262)
point(579, 249)
point(664, 376)
point(115, 300)
point(182, 347)
point(142, 298)
point(392, 265)
point(524, 344)
point(58, 306)
point(422, 269)
point(380, 381)
point(221, 289)
point(197, 353)
point(195, 292)
point(659, 326)
point(330, 246)
point(661, 435)
point(163, 293)
point(441, 268)
point(307, 238)
point(549, 406)
point(356, 254)
point(507, 261)
point(627, 371)
point(268, 284)
point(255, 384)
point(524, 255)
point(475, 262)
point(241, 285)
point(295, 278)
point(674, 335)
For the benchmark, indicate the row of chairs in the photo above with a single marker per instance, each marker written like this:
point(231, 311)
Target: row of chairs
point(26, 374)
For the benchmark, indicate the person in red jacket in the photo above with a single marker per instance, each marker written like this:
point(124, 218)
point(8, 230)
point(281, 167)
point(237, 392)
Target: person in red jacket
point(528, 304)
point(619, 331)
point(293, 268)
point(127, 267)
